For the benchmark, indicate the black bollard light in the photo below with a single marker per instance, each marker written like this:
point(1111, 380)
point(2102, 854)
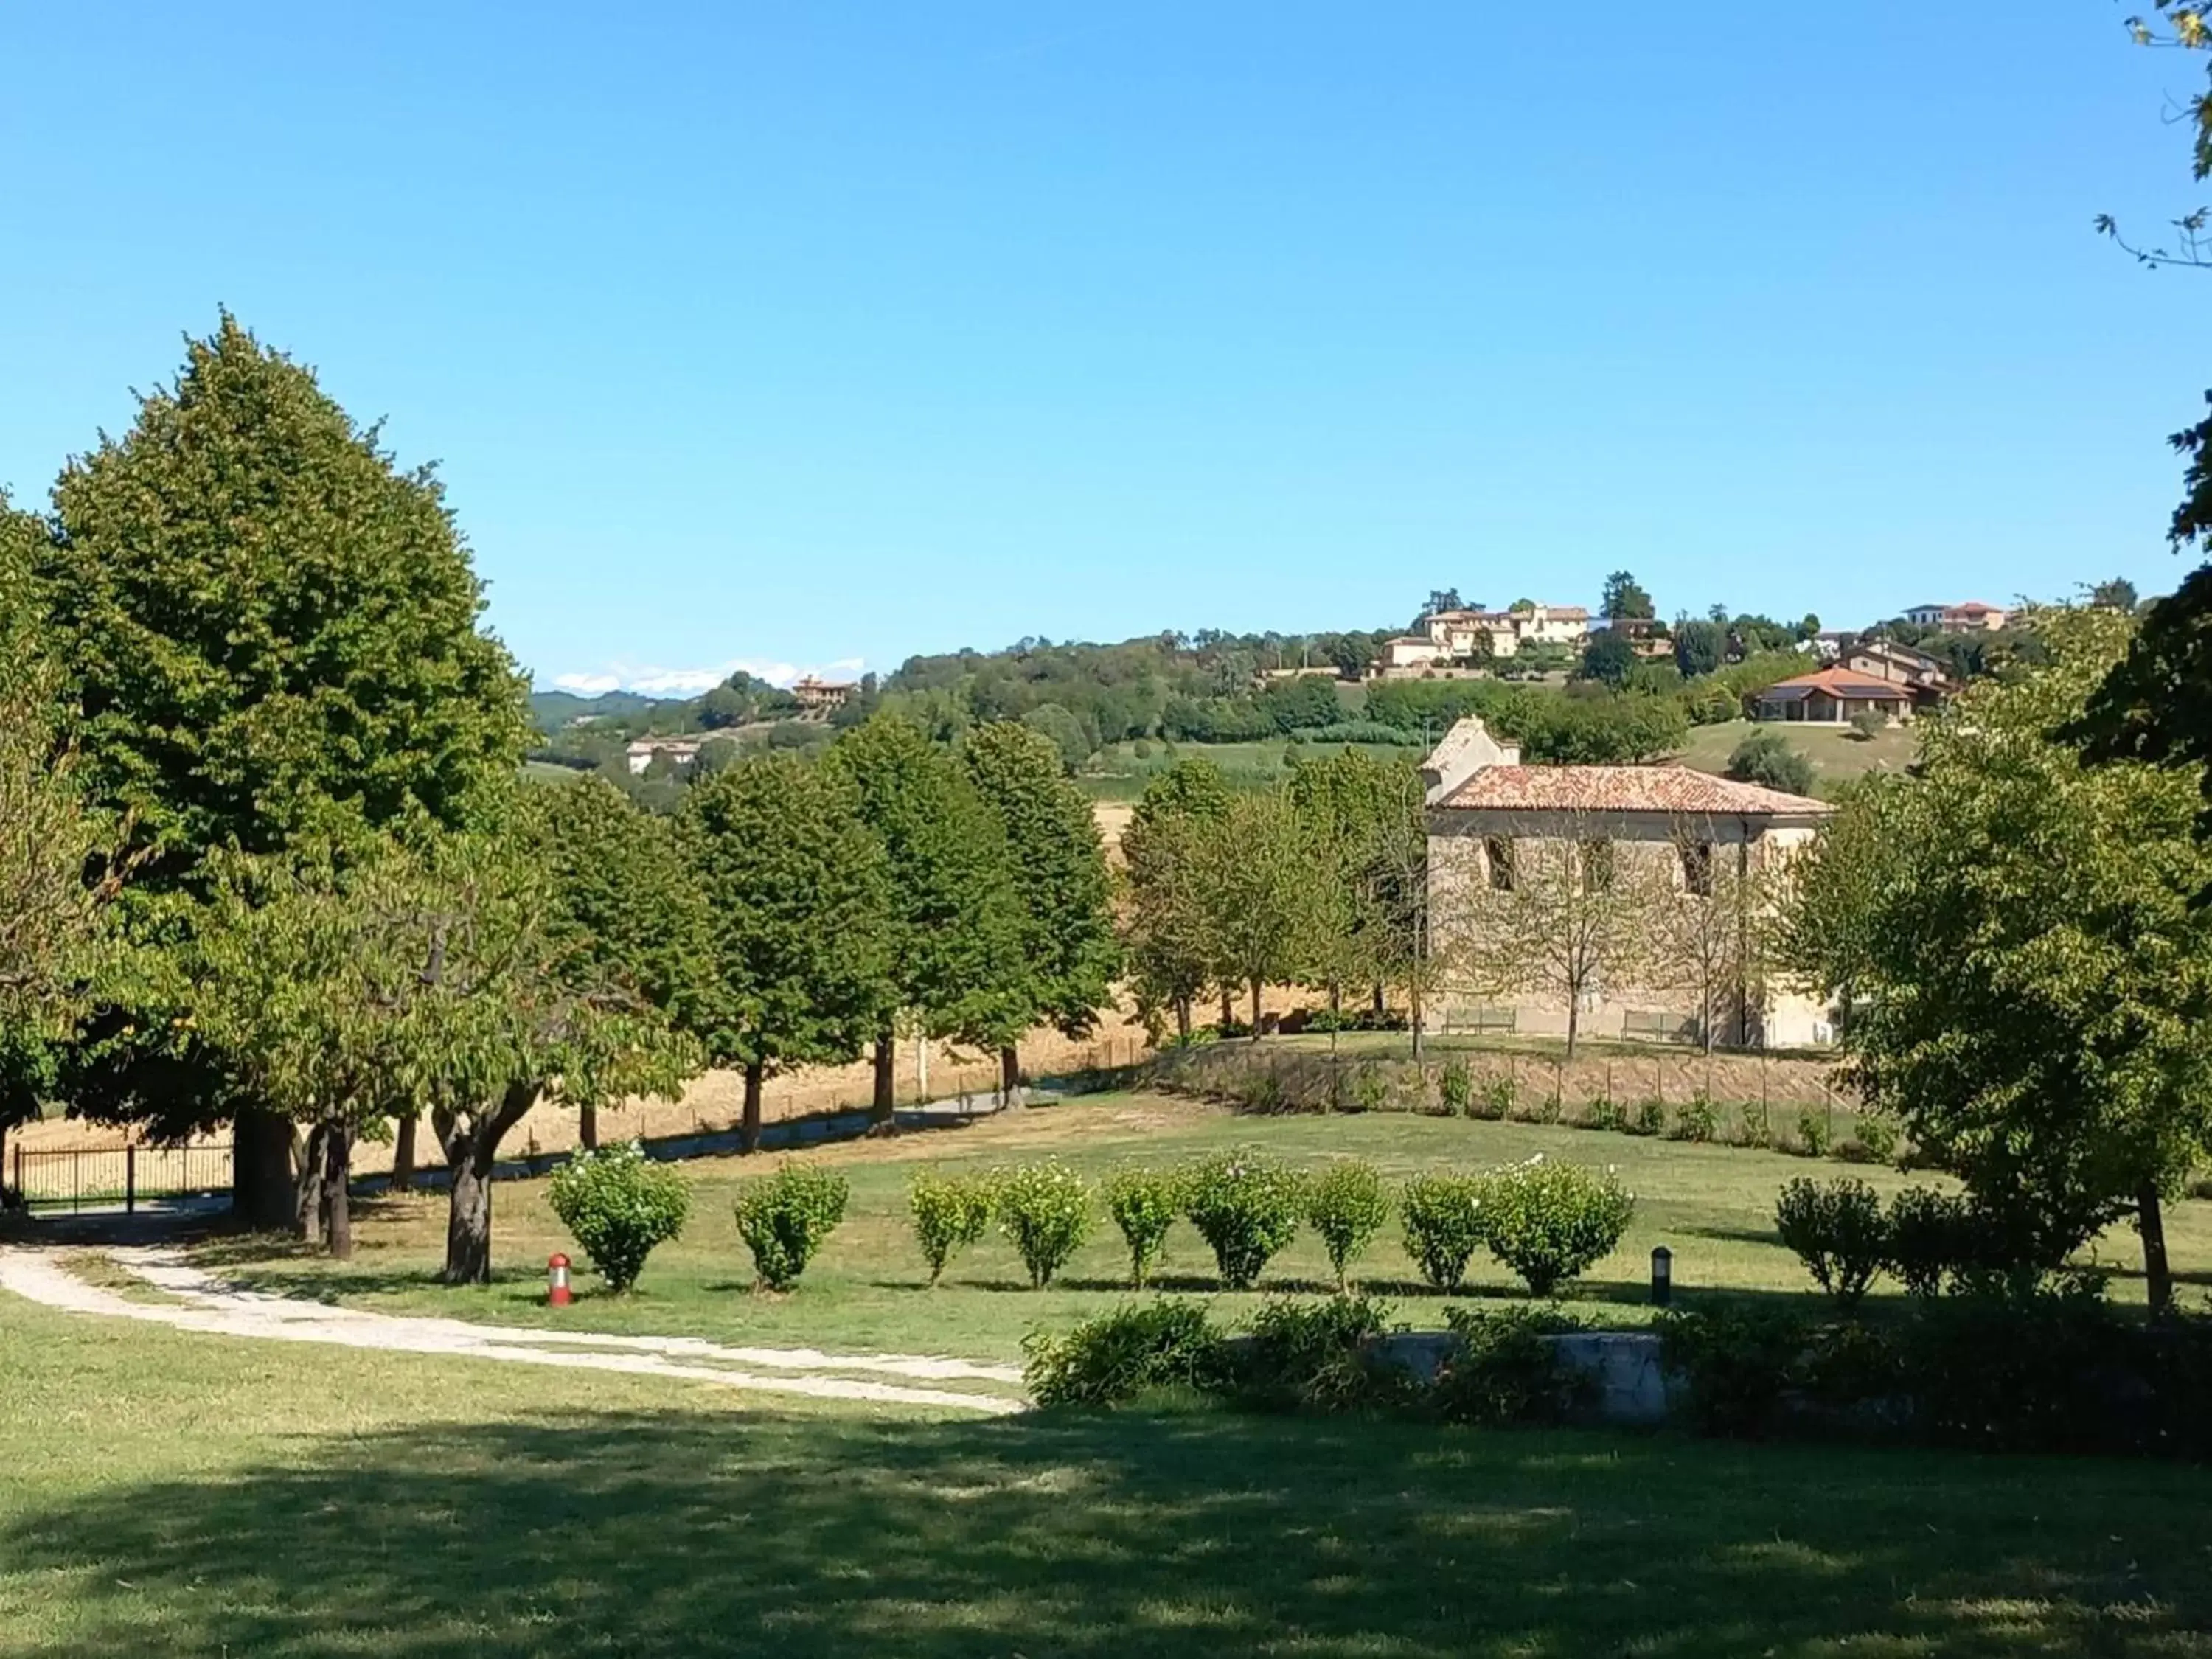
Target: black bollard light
point(1663, 1276)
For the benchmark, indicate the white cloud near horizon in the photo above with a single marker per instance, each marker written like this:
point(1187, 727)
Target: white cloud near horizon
point(690, 682)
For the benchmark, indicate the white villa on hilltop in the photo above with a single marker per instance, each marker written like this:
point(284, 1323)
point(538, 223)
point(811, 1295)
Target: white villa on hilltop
point(1445, 637)
point(1685, 861)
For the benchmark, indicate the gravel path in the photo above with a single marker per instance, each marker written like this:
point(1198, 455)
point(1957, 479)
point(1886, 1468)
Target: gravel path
point(206, 1304)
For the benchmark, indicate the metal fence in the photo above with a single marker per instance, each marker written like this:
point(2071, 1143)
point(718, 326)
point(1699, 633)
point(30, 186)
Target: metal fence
point(119, 1177)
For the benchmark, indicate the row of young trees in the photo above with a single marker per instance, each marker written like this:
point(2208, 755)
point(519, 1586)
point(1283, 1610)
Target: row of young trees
point(265, 858)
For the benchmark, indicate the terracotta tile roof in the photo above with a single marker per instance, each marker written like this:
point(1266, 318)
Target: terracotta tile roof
point(1671, 789)
point(1837, 683)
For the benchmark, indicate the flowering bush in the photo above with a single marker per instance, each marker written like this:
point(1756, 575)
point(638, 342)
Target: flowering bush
point(1547, 1222)
point(619, 1204)
point(1347, 1204)
point(950, 1212)
point(784, 1218)
point(1144, 1204)
point(1044, 1211)
point(1444, 1220)
point(1246, 1207)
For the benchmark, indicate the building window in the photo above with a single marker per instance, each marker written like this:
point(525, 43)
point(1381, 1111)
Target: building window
point(1696, 866)
point(1597, 867)
point(1498, 852)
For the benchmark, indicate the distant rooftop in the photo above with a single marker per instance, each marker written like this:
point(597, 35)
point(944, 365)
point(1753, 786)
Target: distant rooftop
point(1670, 789)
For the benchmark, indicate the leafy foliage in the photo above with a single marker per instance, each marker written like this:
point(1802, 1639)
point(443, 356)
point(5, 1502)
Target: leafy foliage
point(2028, 969)
point(1930, 1238)
point(1317, 1356)
point(1506, 1371)
point(1059, 870)
point(1144, 1204)
point(1246, 1207)
point(783, 1218)
point(1770, 760)
point(1044, 1211)
point(1119, 1356)
point(1548, 1221)
point(950, 1212)
point(619, 1204)
point(1347, 1204)
point(1445, 1222)
point(1837, 1229)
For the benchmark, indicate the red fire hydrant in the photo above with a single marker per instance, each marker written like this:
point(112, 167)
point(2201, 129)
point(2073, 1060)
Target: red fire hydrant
point(557, 1281)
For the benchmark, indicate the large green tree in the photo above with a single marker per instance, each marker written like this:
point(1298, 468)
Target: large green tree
point(2027, 970)
point(271, 630)
point(957, 968)
point(797, 891)
point(629, 908)
point(1060, 880)
point(1162, 918)
point(1365, 821)
point(1266, 915)
point(55, 870)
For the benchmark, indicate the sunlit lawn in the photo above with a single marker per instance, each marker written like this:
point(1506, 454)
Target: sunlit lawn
point(1711, 1205)
point(195, 1495)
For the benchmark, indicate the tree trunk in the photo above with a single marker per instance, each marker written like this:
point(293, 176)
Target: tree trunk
point(468, 1226)
point(1379, 1003)
point(261, 1170)
point(471, 1153)
point(307, 1189)
point(337, 1207)
point(403, 1156)
point(1336, 1019)
point(1182, 1019)
point(884, 1107)
point(1574, 1021)
point(749, 1131)
point(1255, 1011)
point(1227, 1010)
point(1009, 1074)
point(2158, 1274)
point(587, 1128)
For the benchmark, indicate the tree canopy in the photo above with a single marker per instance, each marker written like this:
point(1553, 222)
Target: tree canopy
point(2027, 974)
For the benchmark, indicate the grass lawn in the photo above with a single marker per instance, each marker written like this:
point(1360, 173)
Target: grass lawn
point(1116, 773)
point(185, 1495)
point(1837, 754)
point(1712, 1206)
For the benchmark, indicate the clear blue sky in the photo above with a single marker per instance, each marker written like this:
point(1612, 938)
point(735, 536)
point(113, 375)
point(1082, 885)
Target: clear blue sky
point(797, 334)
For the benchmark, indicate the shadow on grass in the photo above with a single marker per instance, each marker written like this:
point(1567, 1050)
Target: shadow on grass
point(1192, 1533)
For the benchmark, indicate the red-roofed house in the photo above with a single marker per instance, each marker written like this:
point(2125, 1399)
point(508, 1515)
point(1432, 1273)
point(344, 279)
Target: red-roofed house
point(1832, 696)
point(1669, 839)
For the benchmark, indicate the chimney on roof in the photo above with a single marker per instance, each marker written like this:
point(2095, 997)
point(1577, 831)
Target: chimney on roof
point(1465, 750)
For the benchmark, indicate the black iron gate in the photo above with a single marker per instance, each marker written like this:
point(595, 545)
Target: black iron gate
point(119, 1177)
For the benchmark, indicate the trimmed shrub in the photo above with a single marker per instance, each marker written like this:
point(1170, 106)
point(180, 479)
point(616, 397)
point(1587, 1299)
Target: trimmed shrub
point(1120, 1355)
point(1548, 1221)
point(784, 1218)
point(1044, 1211)
point(1444, 1221)
point(1144, 1204)
point(1837, 1231)
point(1505, 1370)
point(1347, 1204)
point(1928, 1239)
point(1813, 1134)
point(1651, 1116)
point(1246, 1207)
point(618, 1204)
point(1455, 1089)
point(950, 1212)
point(1316, 1356)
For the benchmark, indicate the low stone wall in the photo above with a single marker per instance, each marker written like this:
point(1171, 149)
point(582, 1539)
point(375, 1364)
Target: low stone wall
point(1629, 1382)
